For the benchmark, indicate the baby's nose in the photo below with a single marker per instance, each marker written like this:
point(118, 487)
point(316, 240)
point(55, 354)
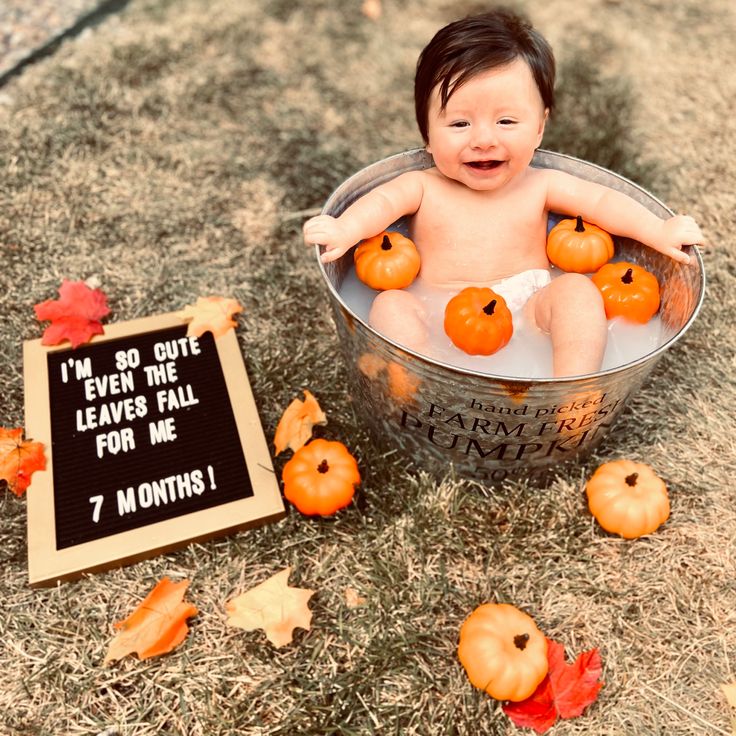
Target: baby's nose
point(484, 136)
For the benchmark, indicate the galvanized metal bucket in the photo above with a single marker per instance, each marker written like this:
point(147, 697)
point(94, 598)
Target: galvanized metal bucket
point(495, 428)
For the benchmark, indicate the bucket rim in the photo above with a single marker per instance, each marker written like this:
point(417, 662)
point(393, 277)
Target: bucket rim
point(647, 357)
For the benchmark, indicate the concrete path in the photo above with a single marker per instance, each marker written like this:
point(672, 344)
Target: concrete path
point(32, 28)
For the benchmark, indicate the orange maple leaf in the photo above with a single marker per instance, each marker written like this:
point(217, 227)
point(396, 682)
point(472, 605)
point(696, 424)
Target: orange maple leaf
point(19, 459)
point(75, 316)
point(213, 313)
point(295, 426)
point(274, 607)
point(158, 624)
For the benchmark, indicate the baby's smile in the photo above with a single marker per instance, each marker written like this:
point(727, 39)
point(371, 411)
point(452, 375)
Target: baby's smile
point(484, 165)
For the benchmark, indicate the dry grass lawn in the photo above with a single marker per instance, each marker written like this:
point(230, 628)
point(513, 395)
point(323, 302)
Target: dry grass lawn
point(173, 152)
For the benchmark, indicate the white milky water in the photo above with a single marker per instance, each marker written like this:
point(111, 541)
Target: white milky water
point(529, 352)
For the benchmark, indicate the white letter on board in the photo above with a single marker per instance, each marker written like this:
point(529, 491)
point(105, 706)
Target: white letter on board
point(126, 501)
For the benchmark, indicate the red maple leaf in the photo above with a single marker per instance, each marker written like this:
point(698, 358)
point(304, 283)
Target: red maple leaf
point(565, 692)
point(75, 316)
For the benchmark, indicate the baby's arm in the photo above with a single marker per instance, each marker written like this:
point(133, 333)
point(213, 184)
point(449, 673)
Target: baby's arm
point(619, 214)
point(366, 217)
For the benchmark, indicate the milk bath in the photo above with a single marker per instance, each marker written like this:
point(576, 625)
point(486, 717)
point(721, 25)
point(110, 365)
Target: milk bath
point(529, 352)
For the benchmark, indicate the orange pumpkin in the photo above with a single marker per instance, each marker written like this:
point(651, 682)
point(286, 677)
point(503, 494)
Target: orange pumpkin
point(387, 261)
point(628, 498)
point(578, 246)
point(478, 321)
point(628, 290)
point(321, 477)
point(503, 651)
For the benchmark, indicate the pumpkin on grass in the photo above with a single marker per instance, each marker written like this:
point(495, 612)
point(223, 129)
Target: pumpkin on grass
point(320, 478)
point(628, 291)
point(478, 321)
point(578, 246)
point(503, 651)
point(628, 498)
point(387, 261)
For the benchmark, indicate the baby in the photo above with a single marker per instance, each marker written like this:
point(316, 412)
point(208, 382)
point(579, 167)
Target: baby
point(483, 91)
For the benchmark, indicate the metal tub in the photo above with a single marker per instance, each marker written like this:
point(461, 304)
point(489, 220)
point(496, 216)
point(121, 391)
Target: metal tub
point(488, 427)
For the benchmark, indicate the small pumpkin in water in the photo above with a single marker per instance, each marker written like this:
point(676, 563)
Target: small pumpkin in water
point(628, 498)
point(478, 321)
point(320, 478)
point(387, 261)
point(503, 651)
point(578, 246)
point(628, 290)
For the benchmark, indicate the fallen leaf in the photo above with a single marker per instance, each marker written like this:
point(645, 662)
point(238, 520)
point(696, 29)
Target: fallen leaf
point(274, 607)
point(75, 316)
point(295, 426)
point(538, 711)
point(353, 599)
point(19, 459)
point(565, 692)
point(213, 313)
point(729, 690)
point(371, 9)
point(157, 625)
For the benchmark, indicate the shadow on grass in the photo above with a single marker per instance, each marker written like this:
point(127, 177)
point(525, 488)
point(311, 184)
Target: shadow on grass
point(593, 119)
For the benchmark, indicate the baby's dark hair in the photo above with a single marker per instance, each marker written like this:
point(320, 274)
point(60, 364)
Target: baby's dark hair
point(473, 45)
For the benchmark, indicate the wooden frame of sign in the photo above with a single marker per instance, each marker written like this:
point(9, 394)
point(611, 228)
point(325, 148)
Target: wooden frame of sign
point(152, 441)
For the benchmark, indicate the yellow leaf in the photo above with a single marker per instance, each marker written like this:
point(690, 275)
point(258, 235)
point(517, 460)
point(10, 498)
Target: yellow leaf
point(274, 607)
point(295, 426)
point(353, 599)
point(213, 313)
point(729, 691)
point(157, 625)
point(371, 9)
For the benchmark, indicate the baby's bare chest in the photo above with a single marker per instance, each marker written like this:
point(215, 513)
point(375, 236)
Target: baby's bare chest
point(463, 236)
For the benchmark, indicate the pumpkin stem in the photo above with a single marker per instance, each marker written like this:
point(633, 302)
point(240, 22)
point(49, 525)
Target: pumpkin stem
point(631, 479)
point(323, 467)
point(520, 641)
point(579, 227)
point(490, 307)
point(386, 243)
point(628, 277)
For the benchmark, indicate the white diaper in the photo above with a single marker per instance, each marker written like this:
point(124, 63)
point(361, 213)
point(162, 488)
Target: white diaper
point(518, 289)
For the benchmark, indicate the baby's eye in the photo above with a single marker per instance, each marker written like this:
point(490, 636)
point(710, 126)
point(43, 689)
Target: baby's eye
point(506, 121)
point(459, 124)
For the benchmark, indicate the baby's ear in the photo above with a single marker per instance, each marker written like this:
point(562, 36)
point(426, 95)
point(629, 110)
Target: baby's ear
point(542, 123)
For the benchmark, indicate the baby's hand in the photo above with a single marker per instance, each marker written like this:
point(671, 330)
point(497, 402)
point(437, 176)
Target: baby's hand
point(329, 232)
point(674, 233)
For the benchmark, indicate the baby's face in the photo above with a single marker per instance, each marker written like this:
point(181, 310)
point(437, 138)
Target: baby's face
point(490, 128)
